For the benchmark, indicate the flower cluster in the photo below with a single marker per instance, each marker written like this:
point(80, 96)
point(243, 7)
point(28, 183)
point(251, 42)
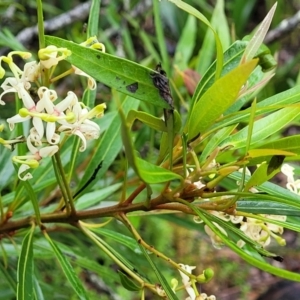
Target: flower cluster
point(49, 116)
point(257, 229)
point(260, 231)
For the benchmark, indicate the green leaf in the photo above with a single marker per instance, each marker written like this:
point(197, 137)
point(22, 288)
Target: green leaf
point(127, 283)
point(186, 43)
point(290, 143)
point(259, 36)
point(151, 121)
point(44, 250)
point(7, 170)
point(10, 278)
point(214, 141)
point(123, 75)
point(38, 293)
point(270, 104)
point(109, 145)
point(67, 269)
point(154, 174)
point(169, 292)
point(192, 11)
point(34, 200)
point(146, 171)
point(241, 13)
point(232, 57)
point(113, 254)
point(273, 191)
point(118, 237)
point(88, 200)
point(263, 127)
point(258, 206)
point(268, 152)
point(25, 268)
point(160, 37)
point(260, 176)
point(235, 234)
point(207, 52)
point(218, 98)
point(93, 23)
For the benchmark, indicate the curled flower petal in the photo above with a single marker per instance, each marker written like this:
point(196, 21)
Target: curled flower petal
point(39, 126)
point(83, 140)
point(215, 239)
point(51, 136)
point(21, 173)
point(48, 151)
point(91, 81)
point(51, 55)
point(186, 279)
point(15, 119)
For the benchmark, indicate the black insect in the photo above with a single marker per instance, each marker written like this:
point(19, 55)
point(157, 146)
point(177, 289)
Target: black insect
point(161, 82)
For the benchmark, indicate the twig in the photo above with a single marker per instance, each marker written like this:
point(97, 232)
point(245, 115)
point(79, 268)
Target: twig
point(27, 35)
point(284, 27)
point(79, 12)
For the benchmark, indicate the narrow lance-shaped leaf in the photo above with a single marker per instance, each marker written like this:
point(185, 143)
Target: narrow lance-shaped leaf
point(67, 269)
point(25, 273)
point(93, 23)
point(218, 98)
point(127, 283)
point(258, 206)
point(259, 36)
point(187, 37)
point(121, 74)
point(191, 10)
point(287, 144)
point(219, 23)
point(260, 176)
point(270, 104)
point(264, 127)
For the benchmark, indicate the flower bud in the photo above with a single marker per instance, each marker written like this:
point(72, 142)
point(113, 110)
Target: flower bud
point(23, 112)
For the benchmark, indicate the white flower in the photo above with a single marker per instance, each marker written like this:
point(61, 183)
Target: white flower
point(186, 280)
point(48, 112)
point(82, 126)
point(292, 184)
point(215, 239)
point(32, 108)
point(18, 84)
point(32, 160)
point(91, 81)
point(261, 232)
point(51, 55)
point(55, 112)
point(254, 229)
